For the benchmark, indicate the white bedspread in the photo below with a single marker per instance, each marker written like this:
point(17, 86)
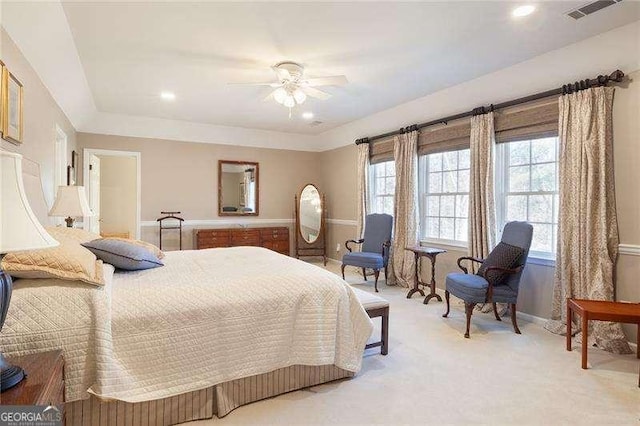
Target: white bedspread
point(206, 317)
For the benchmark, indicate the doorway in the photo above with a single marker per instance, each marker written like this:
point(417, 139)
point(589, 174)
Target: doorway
point(112, 182)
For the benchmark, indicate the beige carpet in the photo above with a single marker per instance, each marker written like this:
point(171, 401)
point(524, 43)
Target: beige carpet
point(433, 375)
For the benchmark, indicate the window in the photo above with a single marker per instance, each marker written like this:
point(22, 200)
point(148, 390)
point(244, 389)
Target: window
point(444, 196)
point(527, 189)
point(382, 187)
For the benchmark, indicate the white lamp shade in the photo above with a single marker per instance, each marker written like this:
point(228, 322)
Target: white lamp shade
point(71, 201)
point(19, 227)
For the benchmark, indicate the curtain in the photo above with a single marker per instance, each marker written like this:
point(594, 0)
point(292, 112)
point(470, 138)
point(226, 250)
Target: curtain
point(405, 218)
point(363, 189)
point(482, 211)
point(588, 229)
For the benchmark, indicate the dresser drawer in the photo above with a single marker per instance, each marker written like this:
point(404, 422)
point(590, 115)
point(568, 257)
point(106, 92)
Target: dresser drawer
point(210, 242)
point(212, 233)
point(274, 234)
point(279, 246)
point(245, 237)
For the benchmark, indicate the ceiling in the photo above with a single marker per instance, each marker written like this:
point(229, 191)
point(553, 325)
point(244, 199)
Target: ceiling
point(390, 52)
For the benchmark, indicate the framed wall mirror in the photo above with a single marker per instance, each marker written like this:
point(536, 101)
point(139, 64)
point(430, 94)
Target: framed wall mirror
point(310, 223)
point(238, 188)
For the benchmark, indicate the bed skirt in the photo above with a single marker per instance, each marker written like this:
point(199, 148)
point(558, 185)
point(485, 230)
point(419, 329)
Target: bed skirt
point(218, 400)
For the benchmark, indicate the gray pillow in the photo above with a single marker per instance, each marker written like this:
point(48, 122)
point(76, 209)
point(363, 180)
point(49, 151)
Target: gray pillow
point(123, 255)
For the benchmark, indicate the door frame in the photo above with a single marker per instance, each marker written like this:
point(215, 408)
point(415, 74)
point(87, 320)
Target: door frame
point(86, 155)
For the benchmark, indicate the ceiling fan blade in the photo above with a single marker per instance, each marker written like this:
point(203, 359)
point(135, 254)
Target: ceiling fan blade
point(334, 80)
point(271, 84)
point(282, 73)
point(315, 93)
point(269, 97)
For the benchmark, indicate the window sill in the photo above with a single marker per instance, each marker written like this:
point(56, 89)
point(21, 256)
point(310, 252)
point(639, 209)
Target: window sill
point(445, 244)
point(454, 246)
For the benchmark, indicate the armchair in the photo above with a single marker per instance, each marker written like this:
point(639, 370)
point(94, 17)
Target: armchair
point(376, 246)
point(498, 278)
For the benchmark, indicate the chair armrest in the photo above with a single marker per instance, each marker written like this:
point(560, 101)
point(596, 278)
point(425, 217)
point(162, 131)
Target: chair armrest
point(385, 246)
point(346, 243)
point(473, 259)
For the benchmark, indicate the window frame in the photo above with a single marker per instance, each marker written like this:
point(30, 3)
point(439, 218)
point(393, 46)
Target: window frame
point(372, 186)
point(423, 186)
point(501, 188)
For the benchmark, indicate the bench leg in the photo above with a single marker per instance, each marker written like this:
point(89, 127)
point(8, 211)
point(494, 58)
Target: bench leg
point(343, 265)
point(376, 274)
point(385, 332)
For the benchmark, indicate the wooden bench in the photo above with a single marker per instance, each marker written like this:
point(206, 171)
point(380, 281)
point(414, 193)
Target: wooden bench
point(376, 306)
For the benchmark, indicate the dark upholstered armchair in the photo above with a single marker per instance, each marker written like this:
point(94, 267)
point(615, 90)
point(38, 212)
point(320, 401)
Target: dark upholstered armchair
point(498, 278)
point(375, 247)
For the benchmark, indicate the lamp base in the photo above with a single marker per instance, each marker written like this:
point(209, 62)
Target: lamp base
point(69, 221)
point(10, 375)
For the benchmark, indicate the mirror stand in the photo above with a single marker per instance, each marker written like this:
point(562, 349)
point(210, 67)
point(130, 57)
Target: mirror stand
point(311, 229)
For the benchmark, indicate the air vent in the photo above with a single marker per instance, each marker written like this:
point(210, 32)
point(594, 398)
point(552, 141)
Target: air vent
point(315, 123)
point(590, 8)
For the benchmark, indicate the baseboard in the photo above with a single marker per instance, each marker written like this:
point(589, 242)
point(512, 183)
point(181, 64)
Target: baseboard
point(531, 318)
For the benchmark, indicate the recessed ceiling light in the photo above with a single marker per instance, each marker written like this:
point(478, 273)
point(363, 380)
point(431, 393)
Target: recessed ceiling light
point(523, 10)
point(307, 115)
point(168, 96)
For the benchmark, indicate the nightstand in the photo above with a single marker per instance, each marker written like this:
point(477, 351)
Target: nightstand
point(44, 384)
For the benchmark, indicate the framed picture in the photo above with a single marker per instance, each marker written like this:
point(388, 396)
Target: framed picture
point(12, 128)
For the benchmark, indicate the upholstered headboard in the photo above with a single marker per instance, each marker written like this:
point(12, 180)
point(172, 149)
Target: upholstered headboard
point(34, 191)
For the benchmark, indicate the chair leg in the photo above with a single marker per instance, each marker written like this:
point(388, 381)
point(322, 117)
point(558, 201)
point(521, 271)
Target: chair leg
point(512, 308)
point(495, 311)
point(343, 265)
point(376, 273)
point(386, 279)
point(446, 297)
point(364, 273)
point(468, 309)
point(385, 333)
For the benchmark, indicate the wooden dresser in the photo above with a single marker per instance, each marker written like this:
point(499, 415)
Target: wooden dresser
point(274, 238)
point(44, 384)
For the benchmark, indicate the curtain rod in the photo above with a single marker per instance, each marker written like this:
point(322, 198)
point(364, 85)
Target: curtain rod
point(616, 76)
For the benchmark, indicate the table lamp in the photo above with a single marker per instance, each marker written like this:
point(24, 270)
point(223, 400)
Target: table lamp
point(71, 202)
point(19, 230)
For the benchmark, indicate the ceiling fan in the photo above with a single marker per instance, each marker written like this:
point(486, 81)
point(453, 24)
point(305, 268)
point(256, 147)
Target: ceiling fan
point(292, 88)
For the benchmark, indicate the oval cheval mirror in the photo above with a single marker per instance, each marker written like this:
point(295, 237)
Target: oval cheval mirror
point(310, 223)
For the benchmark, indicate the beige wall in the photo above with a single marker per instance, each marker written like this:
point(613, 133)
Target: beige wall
point(118, 194)
point(183, 176)
point(339, 180)
point(41, 115)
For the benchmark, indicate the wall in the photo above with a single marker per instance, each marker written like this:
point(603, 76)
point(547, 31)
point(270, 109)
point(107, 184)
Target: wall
point(41, 115)
point(182, 176)
point(118, 195)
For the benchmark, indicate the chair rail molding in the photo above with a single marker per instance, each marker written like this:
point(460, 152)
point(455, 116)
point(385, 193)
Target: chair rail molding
point(345, 222)
point(629, 249)
point(224, 222)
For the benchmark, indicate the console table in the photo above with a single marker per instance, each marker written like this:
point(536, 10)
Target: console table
point(273, 238)
point(600, 310)
point(431, 253)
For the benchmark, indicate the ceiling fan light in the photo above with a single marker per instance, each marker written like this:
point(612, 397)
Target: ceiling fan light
point(299, 96)
point(289, 102)
point(280, 95)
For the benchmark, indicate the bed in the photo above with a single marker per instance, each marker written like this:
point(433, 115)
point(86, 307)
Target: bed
point(210, 331)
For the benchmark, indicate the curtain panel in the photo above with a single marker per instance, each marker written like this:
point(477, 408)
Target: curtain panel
point(405, 218)
point(482, 212)
point(363, 188)
point(588, 229)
